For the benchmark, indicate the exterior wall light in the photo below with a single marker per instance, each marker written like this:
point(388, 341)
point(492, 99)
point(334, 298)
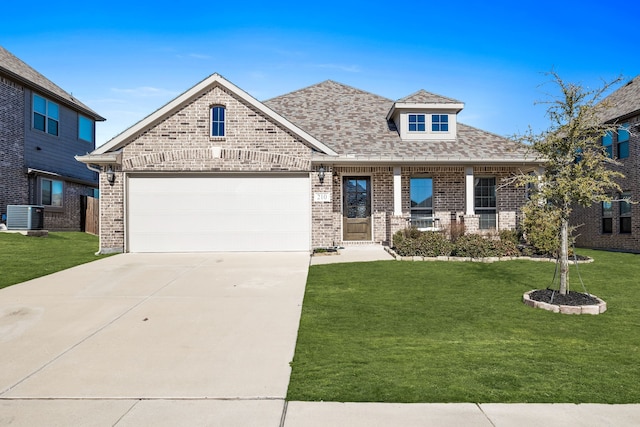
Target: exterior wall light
point(321, 172)
point(111, 175)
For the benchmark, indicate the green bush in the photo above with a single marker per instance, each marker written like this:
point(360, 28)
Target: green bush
point(541, 226)
point(413, 242)
point(474, 246)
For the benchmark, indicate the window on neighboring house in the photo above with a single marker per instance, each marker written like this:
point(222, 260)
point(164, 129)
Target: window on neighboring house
point(485, 202)
point(422, 202)
point(623, 141)
point(85, 128)
point(51, 192)
point(607, 218)
point(625, 213)
point(607, 143)
point(217, 120)
point(45, 115)
point(417, 123)
point(439, 123)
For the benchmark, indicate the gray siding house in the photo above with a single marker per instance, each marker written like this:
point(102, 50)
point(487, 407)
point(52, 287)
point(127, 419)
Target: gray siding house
point(217, 170)
point(42, 128)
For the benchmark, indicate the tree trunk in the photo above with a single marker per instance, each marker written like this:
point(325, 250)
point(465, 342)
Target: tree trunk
point(564, 256)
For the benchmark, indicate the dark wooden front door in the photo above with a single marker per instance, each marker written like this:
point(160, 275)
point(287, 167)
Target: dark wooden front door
point(356, 208)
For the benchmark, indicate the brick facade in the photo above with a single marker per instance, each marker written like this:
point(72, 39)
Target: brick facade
point(588, 221)
point(176, 139)
point(181, 144)
point(448, 200)
point(14, 188)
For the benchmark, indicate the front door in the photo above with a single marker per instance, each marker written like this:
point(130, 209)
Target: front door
point(356, 208)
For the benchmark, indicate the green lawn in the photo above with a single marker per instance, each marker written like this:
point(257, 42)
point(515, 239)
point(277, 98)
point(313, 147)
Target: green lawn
point(23, 258)
point(458, 332)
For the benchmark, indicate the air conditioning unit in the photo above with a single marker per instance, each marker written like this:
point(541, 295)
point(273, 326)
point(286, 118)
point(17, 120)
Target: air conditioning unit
point(25, 217)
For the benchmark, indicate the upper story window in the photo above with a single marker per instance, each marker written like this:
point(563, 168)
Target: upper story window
point(623, 141)
point(85, 128)
point(45, 115)
point(440, 123)
point(51, 192)
point(217, 121)
point(607, 143)
point(417, 122)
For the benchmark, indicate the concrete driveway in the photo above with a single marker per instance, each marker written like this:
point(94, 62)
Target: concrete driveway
point(153, 339)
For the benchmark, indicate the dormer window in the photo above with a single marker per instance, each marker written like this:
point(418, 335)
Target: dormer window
point(440, 123)
point(417, 123)
point(424, 116)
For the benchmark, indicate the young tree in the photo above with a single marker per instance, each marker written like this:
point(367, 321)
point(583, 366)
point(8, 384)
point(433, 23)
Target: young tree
point(578, 169)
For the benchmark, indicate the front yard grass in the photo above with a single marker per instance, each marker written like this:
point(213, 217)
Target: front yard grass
point(458, 332)
point(24, 258)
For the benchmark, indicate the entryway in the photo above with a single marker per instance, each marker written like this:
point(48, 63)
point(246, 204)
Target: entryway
point(356, 224)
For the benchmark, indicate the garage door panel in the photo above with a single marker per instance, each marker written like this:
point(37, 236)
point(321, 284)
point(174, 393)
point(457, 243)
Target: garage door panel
point(180, 214)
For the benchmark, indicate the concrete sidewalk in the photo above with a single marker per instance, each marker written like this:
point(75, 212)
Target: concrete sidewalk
point(355, 253)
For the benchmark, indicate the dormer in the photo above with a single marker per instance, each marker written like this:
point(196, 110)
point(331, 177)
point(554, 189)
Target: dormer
point(425, 116)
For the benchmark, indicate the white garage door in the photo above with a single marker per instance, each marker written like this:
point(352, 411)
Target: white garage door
point(224, 213)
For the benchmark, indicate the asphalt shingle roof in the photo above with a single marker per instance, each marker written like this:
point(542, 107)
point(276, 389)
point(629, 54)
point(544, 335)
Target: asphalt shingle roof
point(424, 97)
point(353, 123)
point(624, 102)
point(19, 70)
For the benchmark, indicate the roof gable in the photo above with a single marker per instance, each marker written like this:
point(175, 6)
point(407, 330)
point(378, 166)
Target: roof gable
point(189, 96)
point(26, 75)
point(424, 97)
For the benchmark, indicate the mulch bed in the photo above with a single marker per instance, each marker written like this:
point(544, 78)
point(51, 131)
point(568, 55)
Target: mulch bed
point(571, 298)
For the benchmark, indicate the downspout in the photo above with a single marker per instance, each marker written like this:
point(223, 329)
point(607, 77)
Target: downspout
point(93, 169)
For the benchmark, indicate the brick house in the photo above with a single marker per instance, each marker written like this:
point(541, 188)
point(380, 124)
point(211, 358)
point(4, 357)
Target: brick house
point(615, 225)
point(217, 170)
point(42, 128)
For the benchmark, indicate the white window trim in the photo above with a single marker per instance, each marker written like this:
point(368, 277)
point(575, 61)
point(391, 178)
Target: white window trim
point(224, 122)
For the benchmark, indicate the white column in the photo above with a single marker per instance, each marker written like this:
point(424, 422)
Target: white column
point(397, 190)
point(468, 181)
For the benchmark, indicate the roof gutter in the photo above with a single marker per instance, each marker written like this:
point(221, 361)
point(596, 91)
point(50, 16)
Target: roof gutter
point(101, 159)
point(347, 160)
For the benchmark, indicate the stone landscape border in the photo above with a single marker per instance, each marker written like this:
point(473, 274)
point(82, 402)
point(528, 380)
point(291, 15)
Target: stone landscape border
point(471, 259)
point(599, 308)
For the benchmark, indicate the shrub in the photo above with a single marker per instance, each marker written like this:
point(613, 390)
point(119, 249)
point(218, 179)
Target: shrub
point(413, 242)
point(474, 246)
point(510, 236)
point(456, 230)
point(541, 225)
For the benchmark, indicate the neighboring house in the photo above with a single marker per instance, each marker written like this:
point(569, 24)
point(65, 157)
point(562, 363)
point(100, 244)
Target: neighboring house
point(617, 225)
point(217, 170)
point(42, 128)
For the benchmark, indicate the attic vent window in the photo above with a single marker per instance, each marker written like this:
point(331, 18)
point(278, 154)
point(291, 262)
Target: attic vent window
point(439, 123)
point(417, 123)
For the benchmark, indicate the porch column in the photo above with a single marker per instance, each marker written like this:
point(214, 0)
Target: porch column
point(468, 181)
point(397, 191)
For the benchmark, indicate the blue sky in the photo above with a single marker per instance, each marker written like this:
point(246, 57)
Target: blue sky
point(127, 59)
